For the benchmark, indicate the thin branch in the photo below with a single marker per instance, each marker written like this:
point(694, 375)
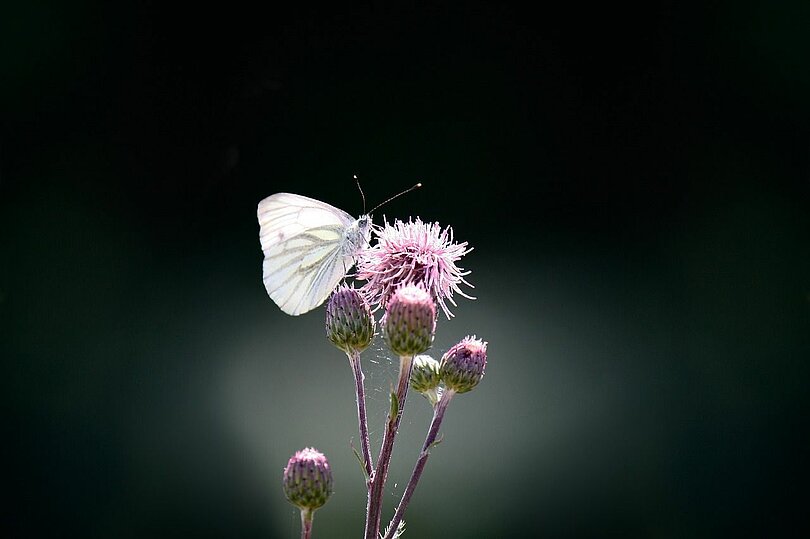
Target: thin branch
point(362, 421)
point(430, 441)
point(377, 481)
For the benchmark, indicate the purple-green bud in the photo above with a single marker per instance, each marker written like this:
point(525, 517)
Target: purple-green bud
point(410, 321)
point(425, 377)
point(308, 479)
point(463, 365)
point(349, 322)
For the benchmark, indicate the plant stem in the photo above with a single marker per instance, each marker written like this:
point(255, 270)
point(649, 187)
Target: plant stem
point(354, 361)
point(433, 431)
point(306, 523)
point(377, 481)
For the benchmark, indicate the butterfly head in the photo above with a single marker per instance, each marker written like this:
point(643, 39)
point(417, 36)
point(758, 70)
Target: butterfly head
point(364, 222)
point(365, 226)
point(358, 235)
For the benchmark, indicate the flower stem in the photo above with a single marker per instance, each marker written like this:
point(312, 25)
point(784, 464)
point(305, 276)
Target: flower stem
point(433, 431)
point(377, 481)
point(354, 361)
point(306, 523)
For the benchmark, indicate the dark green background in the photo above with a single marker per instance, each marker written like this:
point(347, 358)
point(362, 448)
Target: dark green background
point(634, 180)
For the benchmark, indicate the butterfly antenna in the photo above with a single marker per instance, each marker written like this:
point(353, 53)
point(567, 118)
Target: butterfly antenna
point(357, 181)
point(417, 186)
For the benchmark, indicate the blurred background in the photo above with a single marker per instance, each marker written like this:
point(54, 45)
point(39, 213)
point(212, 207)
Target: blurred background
point(634, 180)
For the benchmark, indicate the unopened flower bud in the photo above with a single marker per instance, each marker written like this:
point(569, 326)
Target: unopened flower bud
point(425, 377)
point(308, 479)
point(463, 365)
point(410, 321)
point(349, 322)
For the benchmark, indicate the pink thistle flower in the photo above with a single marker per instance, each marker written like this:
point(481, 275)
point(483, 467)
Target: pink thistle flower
point(409, 323)
point(307, 479)
point(413, 253)
point(462, 367)
point(349, 322)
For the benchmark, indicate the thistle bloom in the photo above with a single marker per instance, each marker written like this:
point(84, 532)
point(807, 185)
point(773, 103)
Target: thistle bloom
point(464, 364)
point(409, 323)
point(308, 479)
point(413, 252)
point(349, 322)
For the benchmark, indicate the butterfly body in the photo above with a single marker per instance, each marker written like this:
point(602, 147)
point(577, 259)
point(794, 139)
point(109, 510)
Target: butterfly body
point(308, 247)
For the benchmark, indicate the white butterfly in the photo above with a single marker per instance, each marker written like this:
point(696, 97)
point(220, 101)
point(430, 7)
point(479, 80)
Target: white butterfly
point(308, 246)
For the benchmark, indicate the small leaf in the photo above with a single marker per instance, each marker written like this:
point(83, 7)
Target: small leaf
point(398, 533)
point(437, 442)
point(394, 405)
point(359, 459)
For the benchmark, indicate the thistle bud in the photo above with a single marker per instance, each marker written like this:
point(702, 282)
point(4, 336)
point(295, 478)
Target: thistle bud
point(425, 377)
point(349, 322)
point(308, 479)
point(463, 365)
point(410, 321)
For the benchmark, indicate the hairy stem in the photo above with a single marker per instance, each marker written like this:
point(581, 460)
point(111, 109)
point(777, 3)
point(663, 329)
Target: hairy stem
point(306, 523)
point(354, 361)
point(430, 439)
point(377, 482)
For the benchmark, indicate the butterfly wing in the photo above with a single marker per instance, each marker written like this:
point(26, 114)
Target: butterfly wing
point(303, 244)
